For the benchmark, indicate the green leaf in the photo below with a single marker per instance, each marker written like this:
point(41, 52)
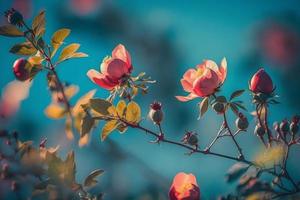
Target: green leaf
point(68, 51)
point(25, 49)
point(240, 105)
point(58, 38)
point(10, 31)
point(236, 94)
point(90, 179)
point(109, 127)
point(101, 106)
point(236, 171)
point(86, 125)
point(38, 24)
point(133, 112)
point(273, 101)
point(203, 106)
point(234, 108)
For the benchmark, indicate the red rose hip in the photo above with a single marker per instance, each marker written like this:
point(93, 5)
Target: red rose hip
point(20, 69)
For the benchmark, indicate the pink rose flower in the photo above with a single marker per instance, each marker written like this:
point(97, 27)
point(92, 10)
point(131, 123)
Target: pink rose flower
point(184, 187)
point(204, 80)
point(261, 82)
point(113, 69)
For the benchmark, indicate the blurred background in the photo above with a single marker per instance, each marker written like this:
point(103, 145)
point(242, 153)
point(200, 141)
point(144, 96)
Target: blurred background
point(165, 39)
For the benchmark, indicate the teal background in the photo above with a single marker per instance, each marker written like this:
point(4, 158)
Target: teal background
point(165, 38)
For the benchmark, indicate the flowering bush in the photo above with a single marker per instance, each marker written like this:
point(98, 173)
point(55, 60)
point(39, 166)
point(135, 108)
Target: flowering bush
point(120, 112)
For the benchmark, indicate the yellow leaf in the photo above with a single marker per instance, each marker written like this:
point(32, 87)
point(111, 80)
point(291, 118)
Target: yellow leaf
point(77, 109)
point(121, 108)
point(55, 111)
point(57, 39)
point(133, 112)
point(68, 51)
point(79, 55)
point(35, 60)
point(112, 111)
point(38, 24)
point(10, 31)
point(71, 90)
point(270, 155)
point(68, 128)
point(83, 140)
point(108, 128)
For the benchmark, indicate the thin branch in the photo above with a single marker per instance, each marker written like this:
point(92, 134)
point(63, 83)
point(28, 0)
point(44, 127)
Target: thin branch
point(241, 156)
point(51, 68)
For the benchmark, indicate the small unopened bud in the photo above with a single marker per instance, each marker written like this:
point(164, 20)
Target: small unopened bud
point(14, 186)
point(296, 119)
point(294, 128)
point(284, 126)
point(190, 138)
point(219, 107)
point(5, 169)
point(276, 126)
point(14, 17)
point(260, 131)
point(242, 122)
point(155, 113)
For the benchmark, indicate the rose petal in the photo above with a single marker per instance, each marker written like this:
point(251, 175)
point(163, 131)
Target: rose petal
point(100, 79)
point(186, 98)
point(190, 75)
point(121, 53)
point(116, 69)
point(223, 70)
point(206, 84)
point(211, 65)
point(187, 86)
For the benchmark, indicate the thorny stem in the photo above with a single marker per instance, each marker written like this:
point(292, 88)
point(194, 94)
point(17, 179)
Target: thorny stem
point(51, 68)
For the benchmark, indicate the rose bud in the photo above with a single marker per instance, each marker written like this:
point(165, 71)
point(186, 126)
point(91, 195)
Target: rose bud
point(260, 131)
point(294, 128)
point(14, 17)
point(284, 126)
point(14, 186)
point(190, 138)
point(219, 107)
point(21, 70)
point(261, 82)
point(242, 122)
point(155, 113)
point(276, 126)
point(204, 80)
point(184, 187)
